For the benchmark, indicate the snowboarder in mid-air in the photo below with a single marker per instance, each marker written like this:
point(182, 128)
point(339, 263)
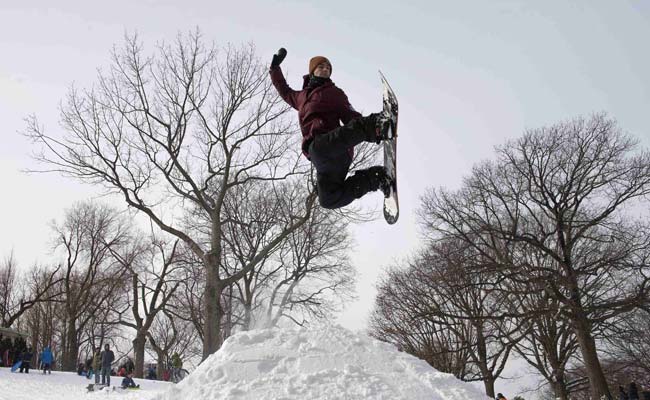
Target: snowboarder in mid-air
point(326, 143)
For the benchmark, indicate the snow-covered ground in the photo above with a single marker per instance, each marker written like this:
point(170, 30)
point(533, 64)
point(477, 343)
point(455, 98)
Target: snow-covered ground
point(68, 386)
point(328, 362)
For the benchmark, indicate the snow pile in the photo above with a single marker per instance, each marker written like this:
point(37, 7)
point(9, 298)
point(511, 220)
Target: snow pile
point(326, 363)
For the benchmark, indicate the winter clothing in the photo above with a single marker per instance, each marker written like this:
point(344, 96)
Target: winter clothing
point(332, 162)
point(107, 358)
point(97, 365)
point(313, 63)
point(46, 356)
point(632, 391)
point(176, 361)
point(278, 58)
point(316, 81)
point(46, 360)
point(128, 382)
point(26, 358)
point(621, 393)
point(319, 109)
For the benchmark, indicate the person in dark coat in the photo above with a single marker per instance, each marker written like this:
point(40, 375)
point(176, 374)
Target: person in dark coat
point(322, 106)
point(26, 359)
point(107, 358)
point(46, 360)
point(632, 391)
point(622, 395)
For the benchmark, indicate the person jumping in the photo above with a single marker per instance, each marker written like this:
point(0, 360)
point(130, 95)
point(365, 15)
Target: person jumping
point(322, 106)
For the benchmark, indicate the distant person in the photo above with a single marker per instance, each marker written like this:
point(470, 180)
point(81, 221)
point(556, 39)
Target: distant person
point(26, 359)
point(128, 382)
point(177, 364)
point(129, 365)
point(500, 396)
point(107, 357)
point(622, 394)
point(632, 391)
point(89, 368)
point(151, 372)
point(46, 360)
point(97, 365)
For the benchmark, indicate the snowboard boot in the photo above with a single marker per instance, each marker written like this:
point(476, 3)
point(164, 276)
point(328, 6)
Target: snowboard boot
point(369, 180)
point(382, 127)
point(380, 179)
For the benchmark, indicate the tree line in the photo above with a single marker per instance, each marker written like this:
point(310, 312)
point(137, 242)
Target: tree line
point(542, 253)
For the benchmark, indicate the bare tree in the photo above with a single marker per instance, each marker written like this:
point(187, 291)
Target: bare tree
point(41, 319)
point(153, 284)
point(394, 320)
point(169, 335)
point(549, 343)
point(307, 276)
point(181, 127)
point(628, 350)
point(19, 293)
point(441, 289)
point(90, 276)
point(564, 192)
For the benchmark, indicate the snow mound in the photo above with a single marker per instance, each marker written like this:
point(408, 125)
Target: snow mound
point(325, 363)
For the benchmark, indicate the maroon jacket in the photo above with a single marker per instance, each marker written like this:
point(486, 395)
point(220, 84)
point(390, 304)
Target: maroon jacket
point(319, 109)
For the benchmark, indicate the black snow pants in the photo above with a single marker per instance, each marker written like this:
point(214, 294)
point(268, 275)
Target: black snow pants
point(329, 153)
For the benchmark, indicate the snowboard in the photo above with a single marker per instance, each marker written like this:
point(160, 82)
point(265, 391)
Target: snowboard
point(17, 365)
point(391, 203)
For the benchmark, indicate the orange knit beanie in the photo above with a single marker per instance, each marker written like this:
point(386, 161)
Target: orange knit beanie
point(313, 63)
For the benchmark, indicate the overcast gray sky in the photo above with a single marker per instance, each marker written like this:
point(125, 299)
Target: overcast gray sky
point(469, 75)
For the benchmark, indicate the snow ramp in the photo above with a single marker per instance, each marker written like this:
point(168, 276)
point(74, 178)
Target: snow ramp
point(328, 362)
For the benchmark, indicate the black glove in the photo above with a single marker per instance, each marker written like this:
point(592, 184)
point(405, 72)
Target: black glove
point(279, 57)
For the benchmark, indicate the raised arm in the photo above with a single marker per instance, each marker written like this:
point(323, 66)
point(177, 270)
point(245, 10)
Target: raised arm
point(289, 95)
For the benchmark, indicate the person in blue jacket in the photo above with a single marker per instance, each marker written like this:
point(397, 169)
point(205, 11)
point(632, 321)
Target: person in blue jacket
point(46, 360)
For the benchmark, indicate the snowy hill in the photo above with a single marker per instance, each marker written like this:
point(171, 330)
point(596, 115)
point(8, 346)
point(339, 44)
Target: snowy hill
point(325, 363)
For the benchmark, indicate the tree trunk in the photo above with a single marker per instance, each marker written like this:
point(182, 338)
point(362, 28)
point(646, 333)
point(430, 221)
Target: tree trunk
point(138, 350)
point(597, 381)
point(213, 312)
point(559, 390)
point(488, 382)
point(246, 324)
point(160, 365)
point(71, 349)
